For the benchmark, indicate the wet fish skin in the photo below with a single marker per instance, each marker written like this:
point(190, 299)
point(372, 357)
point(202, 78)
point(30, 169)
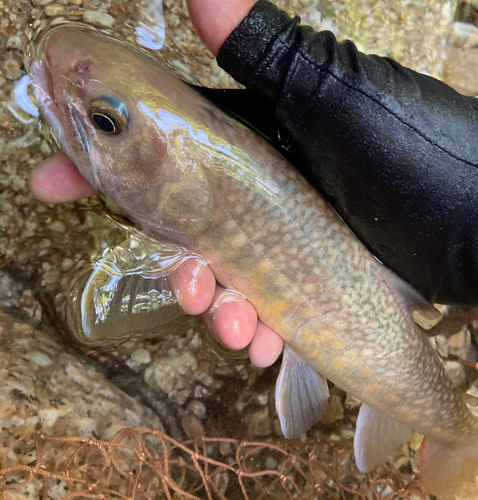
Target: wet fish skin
point(190, 174)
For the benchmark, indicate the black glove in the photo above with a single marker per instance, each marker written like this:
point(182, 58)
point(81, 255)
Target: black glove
point(394, 152)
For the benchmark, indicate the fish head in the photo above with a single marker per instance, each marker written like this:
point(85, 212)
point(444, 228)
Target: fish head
point(117, 114)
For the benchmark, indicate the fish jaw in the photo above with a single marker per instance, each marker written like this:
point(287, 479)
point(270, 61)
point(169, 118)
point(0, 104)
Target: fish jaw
point(67, 123)
point(44, 98)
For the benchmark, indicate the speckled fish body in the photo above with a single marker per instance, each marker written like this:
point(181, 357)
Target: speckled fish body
point(190, 174)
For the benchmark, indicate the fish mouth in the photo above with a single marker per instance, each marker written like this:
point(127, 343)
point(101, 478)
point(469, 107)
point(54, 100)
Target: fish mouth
point(44, 95)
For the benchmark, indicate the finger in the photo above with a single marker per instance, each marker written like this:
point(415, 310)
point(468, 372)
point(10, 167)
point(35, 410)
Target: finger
point(266, 346)
point(193, 284)
point(57, 180)
point(232, 319)
point(214, 20)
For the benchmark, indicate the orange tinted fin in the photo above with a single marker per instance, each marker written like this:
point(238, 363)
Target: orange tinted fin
point(450, 470)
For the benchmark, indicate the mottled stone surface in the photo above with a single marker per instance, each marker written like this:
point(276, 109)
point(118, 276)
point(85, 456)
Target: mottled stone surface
point(45, 389)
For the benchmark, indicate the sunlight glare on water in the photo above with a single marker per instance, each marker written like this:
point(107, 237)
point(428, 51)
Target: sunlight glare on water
point(150, 32)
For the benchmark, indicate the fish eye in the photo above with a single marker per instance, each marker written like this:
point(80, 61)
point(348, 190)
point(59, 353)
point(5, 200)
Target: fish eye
point(108, 114)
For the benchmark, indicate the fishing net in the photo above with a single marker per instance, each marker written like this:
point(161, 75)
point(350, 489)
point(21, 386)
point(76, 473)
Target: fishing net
point(147, 464)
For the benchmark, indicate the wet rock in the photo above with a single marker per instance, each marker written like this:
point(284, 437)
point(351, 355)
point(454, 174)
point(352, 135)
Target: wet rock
point(138, 358)
point(41, 359)
point(121, 12)
point(10, 291)
point(171, 372)
point(11, 67)
point(192, 426)
point(43, 387)
point(197, 408)
point(54, 9)
point(351, 402)
point(335, 410)
point(221, 481)
point(14, 42)
point(416, 441)
point(225, 448)
point(99, 18)
point(258, 422)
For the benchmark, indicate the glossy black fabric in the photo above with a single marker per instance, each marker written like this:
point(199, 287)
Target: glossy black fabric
point(395, 152)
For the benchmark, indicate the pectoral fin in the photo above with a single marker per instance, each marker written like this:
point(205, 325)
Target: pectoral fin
point(301, 395)
point(377, 437)
point(127, 292)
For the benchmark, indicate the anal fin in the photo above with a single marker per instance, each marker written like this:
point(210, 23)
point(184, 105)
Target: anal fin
point(301, 395)
point(377, 437)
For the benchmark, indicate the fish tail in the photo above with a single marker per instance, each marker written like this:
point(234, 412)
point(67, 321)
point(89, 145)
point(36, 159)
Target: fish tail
point(450, 470)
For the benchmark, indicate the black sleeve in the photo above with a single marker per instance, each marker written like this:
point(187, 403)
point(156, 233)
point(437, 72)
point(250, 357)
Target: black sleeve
point(395, 152)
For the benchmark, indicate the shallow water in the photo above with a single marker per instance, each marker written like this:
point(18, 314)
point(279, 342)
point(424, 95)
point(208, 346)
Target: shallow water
point(44, 247)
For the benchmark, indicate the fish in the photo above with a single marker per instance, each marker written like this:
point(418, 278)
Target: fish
point(192, 175)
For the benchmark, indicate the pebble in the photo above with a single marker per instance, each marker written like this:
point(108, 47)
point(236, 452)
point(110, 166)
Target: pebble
point(347, 434)
point(51, 276)
point(258, 423)
point(225, 448)
point(101, 18)
point(221, 481)
point(54, 10)
point(198, 408)
point(42, 2)
point(14, 42)
point(41, 359)
point(67, 264)
point(416, 441)
point(335, 411)
point(11, 68)
point(139, 357)
point(192, 427)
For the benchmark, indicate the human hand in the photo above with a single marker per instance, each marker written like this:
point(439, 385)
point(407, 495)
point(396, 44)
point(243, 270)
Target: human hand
point(230, 318)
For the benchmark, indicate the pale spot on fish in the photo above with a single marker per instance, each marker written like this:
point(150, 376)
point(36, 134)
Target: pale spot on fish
point(436, 429)
point(431, 411)
point(309, 336)
point(401, 409)
point(340, 363)
point(373, 388)
point(393, 398)
point(339, 344)
point(420, 401)
point(281, 280)
point(239, 240)
point(402, 386)
point(264, 265)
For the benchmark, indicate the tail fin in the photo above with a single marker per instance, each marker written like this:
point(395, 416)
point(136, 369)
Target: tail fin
point(450, 471)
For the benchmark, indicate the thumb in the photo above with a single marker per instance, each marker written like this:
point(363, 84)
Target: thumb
point(214, 20)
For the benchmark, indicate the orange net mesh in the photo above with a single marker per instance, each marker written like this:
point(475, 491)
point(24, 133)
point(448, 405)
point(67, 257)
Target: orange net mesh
point(147, 464)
